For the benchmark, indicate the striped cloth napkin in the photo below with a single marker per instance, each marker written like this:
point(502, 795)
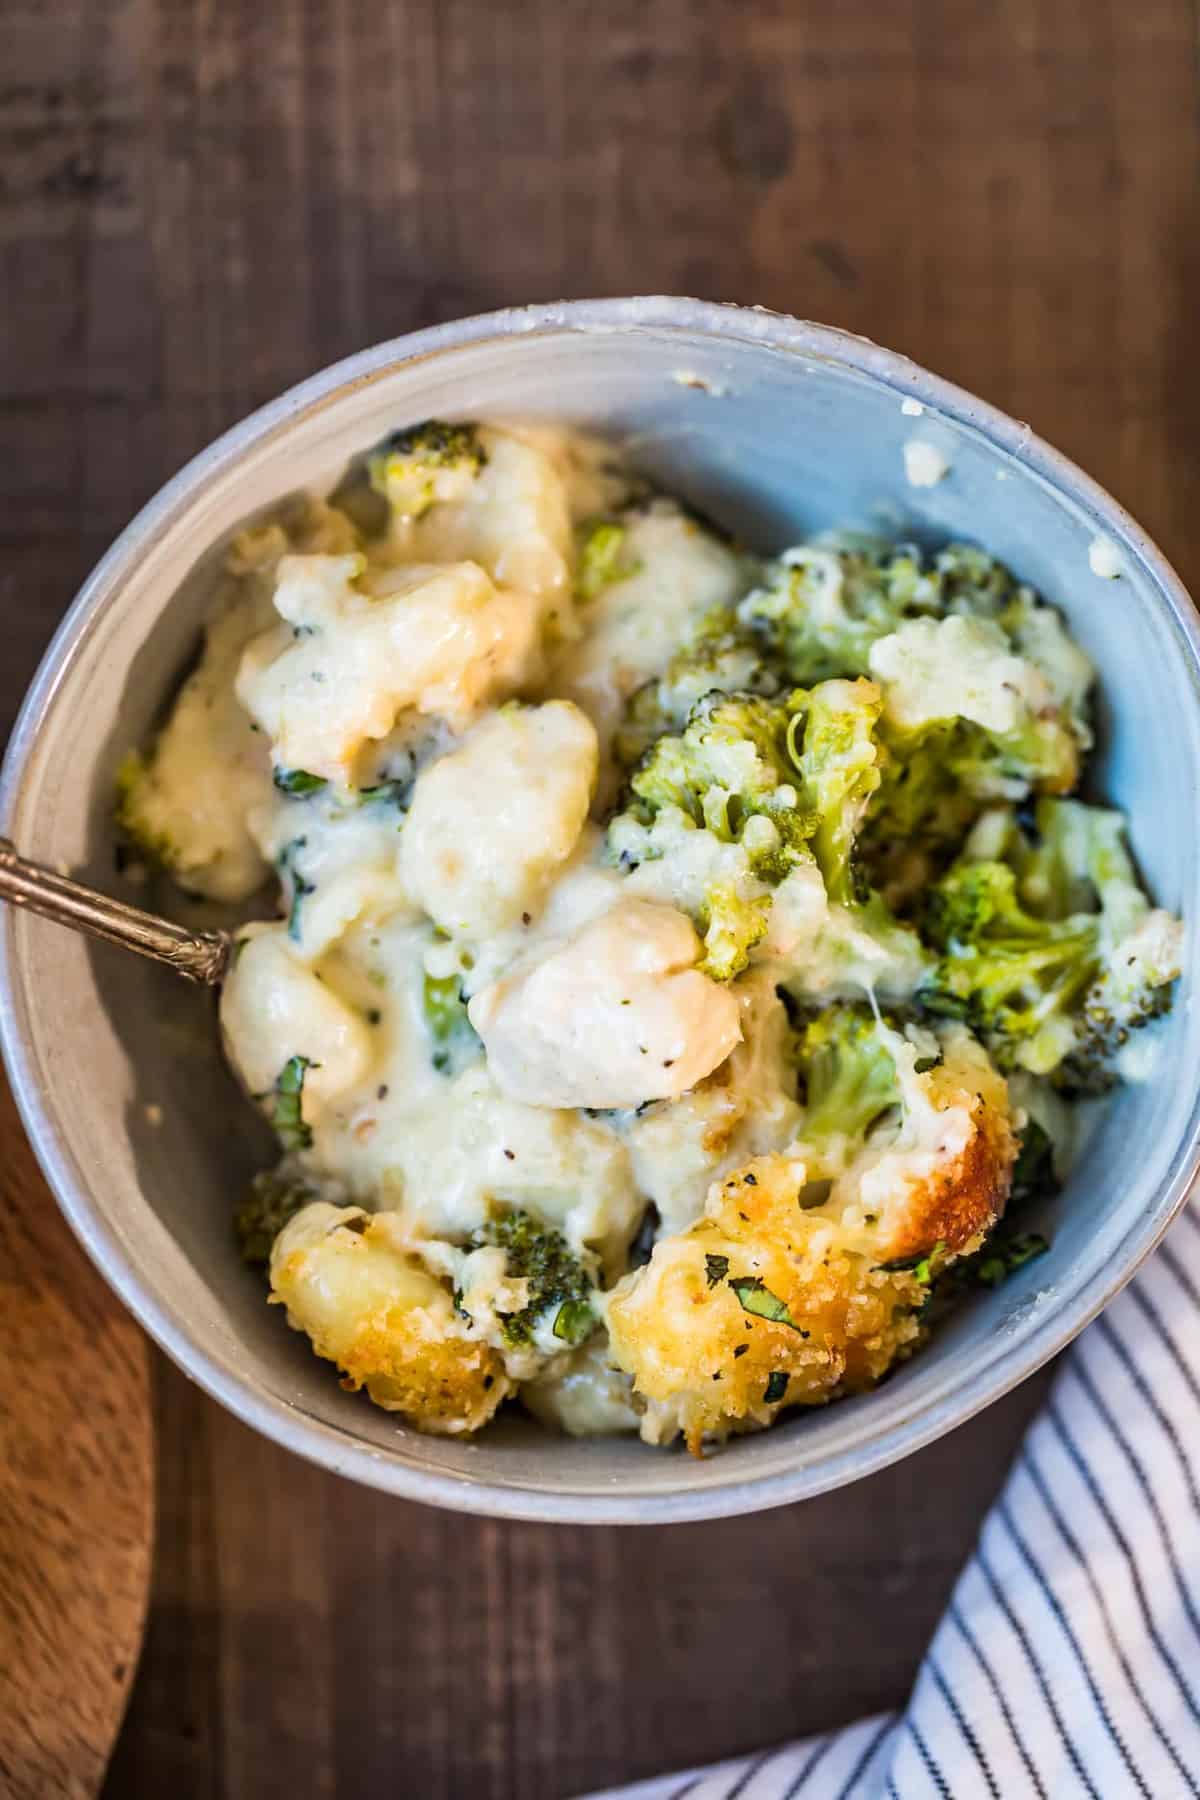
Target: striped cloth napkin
point(1068, 1660)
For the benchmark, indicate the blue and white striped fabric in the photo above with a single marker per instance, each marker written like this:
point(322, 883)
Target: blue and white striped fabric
point(1068, 1660)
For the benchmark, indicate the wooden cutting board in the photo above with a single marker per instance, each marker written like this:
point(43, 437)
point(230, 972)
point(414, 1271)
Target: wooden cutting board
point(76, 1493)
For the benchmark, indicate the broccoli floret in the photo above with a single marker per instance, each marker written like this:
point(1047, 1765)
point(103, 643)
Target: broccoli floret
point(720, 658)
point(560, 1287)
point(601, 558)
point(730, 773)
point(935, 782)
point(730, 764)
point(986, 702)
point(824, 605)
point(941, 770)
point(731, 924)
point(729, 761)
point(416, 468)
point(136, 800)
point(1132, 990)
point(831, 741)
point(275, 1198)
point(1069, 858)
point(848, 1072)
point(820, 609)
point(969, 580)
point(1016, 979)
point(454, 1040)
point(785, 779)
point(1048, 945)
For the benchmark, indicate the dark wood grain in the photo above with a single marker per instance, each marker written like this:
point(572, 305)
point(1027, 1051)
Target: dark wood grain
point(202, 202)
point(76, 1494)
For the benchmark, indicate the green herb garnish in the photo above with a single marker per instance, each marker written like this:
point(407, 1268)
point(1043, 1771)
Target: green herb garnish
point(454, 1039)
point(297, 782)
point(573, 1321)
point(755, 1297)
point(301, 888)
point(924, 1265)
point(287, 1115)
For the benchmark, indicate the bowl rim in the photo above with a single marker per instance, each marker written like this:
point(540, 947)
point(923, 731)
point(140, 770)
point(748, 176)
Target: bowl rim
point(1008, 1361)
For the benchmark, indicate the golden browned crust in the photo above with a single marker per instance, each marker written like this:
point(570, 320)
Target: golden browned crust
point(444, 1385)
point(686, 1329)
point(960, 1202)
point(390, 1326)
point(954, 1196)
point(694, 1327)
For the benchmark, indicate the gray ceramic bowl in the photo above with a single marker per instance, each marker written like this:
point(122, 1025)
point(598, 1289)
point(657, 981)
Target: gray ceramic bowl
point(777, 428)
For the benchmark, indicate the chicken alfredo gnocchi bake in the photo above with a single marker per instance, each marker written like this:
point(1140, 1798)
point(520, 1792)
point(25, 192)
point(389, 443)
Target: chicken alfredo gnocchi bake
point(684, 963)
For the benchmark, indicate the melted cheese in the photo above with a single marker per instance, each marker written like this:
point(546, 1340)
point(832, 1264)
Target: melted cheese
point(937, 668)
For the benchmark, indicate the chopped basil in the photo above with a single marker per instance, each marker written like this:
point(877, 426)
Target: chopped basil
point(300, 888)
point(776, 1388)
point(297, 782)
point(573, 1321)
point(754, 1297)
point(924, 1265)
point(454, 1041)
point(388, 793)
point(716, 1268)
point(287, 1115)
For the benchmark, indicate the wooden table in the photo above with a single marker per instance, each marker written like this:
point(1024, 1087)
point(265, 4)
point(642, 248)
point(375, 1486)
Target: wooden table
point(200, 203)
point(76, 1494)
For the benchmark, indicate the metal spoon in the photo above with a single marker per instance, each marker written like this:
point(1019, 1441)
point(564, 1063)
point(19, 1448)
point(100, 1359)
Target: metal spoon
point(202, 956)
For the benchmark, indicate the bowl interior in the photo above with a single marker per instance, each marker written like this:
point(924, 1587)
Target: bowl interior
point(775, 440)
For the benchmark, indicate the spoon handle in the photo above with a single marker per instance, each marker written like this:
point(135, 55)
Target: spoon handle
point(200, 955)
